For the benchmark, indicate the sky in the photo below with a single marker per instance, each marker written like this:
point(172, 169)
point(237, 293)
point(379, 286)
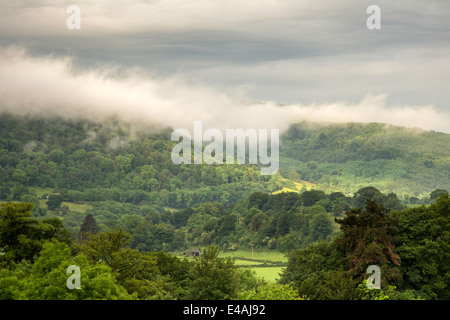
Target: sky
point(230, 64)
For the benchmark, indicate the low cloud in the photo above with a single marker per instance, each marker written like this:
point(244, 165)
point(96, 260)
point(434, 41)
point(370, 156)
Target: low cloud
point(50, 85)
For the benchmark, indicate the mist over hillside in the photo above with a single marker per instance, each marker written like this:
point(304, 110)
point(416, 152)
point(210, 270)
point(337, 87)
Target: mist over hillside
point(49, 151)
point(52, 85)
point(347, 156)
point(224, 150)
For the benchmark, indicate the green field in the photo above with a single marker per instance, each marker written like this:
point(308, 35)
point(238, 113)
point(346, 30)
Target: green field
point(270, 274)
point(40, 192)
point(260, 255)
point(78, 207)
point(266, 263)
point(242, 262)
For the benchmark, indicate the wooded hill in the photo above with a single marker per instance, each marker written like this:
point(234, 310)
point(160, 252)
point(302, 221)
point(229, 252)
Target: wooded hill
point(89, 161)
point(121, 183)
point(347, 157)
point(125, 178)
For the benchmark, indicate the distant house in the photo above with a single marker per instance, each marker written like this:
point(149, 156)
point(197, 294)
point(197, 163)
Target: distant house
point(194, 253)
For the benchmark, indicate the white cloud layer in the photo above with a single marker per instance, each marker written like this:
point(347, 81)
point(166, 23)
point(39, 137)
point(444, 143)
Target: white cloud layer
point(50, 85)
point(287, 51)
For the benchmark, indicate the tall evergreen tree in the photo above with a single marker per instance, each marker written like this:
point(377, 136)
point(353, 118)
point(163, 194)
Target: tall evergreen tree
point(89, 225)
point(367, 238)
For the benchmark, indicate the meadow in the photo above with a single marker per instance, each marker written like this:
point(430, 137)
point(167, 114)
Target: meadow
point(266, 263)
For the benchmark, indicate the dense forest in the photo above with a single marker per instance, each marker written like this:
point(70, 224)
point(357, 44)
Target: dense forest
point(344, 157)
point(107, 198)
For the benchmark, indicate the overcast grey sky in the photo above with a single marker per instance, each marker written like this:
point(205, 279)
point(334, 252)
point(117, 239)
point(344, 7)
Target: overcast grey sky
point(177, 61)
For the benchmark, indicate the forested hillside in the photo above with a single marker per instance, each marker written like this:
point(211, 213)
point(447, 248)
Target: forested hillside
point(85, 162)
point(346, 157)
point(88, 161)
point(410, 246)
point(92, 192)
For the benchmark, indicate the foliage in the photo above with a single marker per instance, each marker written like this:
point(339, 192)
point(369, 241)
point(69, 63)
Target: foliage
point(83, 162)
point(272, 291)
point(365, 293)
point(22, 236)
point(89, 225)
point(347, 157)
point(357, 195)
point(309, 269)
point(423, 243)
point(410, 247)
point(367, 238)
point(46, 278)
point(212, 277)
point(54, 201)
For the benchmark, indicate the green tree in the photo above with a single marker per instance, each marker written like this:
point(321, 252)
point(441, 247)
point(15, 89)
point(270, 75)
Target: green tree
point(53, 228)
point(46, 278)
point(366, 193)
point(54, 201)
point(20, 176)
point(213, 278)
point(423, 242)
point(321, 227)
point(104, 246)
point(175, 268)
point(22, 235)
point(258, 221)
point(181, 217)
point(367, 238)
point(316, 272)
point(435, 194)
point(89, 225)
point(56, 155)
point(226, 225)
point(137, 272)
point(387, 293)
point(31, 199)
point(125, 162)
point(270, 291)
point(289, 242)
point(283, 223)
point(309, 198)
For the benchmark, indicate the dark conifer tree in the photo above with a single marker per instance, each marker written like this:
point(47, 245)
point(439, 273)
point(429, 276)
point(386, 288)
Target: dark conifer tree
point(367, 238)
point(89, 225)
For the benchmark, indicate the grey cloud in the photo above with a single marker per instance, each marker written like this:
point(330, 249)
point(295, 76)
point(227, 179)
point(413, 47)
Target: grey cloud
point(292, 52)
point(50, 86)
